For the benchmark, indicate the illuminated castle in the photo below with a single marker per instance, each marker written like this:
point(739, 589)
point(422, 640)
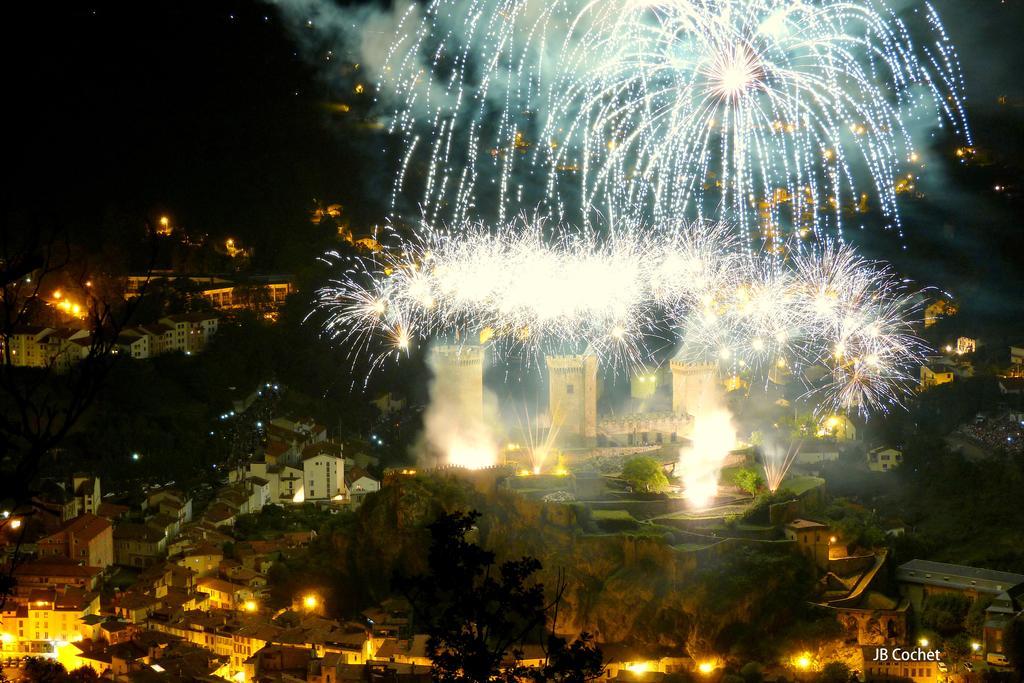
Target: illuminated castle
point(572, 396)
point(459, 374)
point(692, 386)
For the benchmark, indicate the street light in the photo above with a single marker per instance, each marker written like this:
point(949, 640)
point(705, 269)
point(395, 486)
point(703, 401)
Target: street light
point(309, 601)
point(923, 642)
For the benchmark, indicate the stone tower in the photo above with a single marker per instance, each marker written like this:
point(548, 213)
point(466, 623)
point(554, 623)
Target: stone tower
point(692, 386)
point(572, 396)
point(459, 377)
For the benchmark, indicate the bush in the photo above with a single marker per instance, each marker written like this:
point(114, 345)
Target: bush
point(644, 473)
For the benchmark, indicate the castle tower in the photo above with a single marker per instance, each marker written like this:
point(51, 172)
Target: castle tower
point(692, 386)
point(459, 376)
point(572, 396)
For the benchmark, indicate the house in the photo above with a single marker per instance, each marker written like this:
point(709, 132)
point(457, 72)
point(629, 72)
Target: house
point(54, 572)
point(48, 615)
point(112, 511)
point(166, 525)
point(204, 560)
point(135, 344)
point(170, 501)
point(40, 347)
point(224, 594)
point(259, 493)
point(135, 607)
point(816, 452)
point(86, 490)
point(286, 437)
point(884, 459)
point(138, 545)
point(191, 332)
point(359, 484)
point(220, 514)
point(410, 651)
point(289, 485)
point(934, 375)
point(87, 538)
point(812, 539)
point(323, 471)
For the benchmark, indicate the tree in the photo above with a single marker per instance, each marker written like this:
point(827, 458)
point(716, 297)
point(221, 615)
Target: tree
point(479, 614)
point(945, 613)
point(40, 670)
point(835, 672)
point(644, 473)
point(748, 479)
point(39, 406)
point(958, 648)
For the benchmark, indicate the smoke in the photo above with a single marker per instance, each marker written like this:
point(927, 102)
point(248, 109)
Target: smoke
point(457, 431)
point(713, 437)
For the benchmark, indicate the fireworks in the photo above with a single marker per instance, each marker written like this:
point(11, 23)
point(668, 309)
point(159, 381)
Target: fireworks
point(527, 289)
point(776, 460)
point(782, 114)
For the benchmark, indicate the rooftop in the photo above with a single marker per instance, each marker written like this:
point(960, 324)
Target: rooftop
point(957, 575)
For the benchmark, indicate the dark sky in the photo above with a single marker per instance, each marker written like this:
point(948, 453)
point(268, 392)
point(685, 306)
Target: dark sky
point(205, 110)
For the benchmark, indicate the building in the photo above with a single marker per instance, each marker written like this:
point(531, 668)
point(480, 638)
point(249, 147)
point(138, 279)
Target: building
point(323, 472)
point(359, 484)
point(572, 396)
point(203, 560)
point(172, 502)
point(693, 386)
point(86, 490)
point(920, 579)
point(31, 626)
point(459, 377)
point(54, 572)
point(48, 347)
point(816, 452)
point(813, 539)
point(224, 594)
point(88, 539)
point(257, 293)
point(888, 670)
point(190, 331)
point(884, 459)
point(934, 375)
point(138, 545)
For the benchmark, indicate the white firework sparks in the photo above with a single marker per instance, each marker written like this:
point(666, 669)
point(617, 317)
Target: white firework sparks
point(528, 289)
point(780, 112)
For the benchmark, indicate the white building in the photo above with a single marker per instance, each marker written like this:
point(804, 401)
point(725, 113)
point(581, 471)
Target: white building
point(323, 471)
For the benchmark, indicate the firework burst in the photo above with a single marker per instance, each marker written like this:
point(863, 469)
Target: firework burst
point(528, 289)
point(781, 113)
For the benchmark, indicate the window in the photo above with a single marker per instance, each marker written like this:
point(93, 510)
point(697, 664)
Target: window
point(570, 389)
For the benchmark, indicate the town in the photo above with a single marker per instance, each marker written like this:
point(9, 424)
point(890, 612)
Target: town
point(508, 342)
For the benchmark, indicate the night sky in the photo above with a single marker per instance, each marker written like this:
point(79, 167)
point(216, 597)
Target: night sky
point(213, 113)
